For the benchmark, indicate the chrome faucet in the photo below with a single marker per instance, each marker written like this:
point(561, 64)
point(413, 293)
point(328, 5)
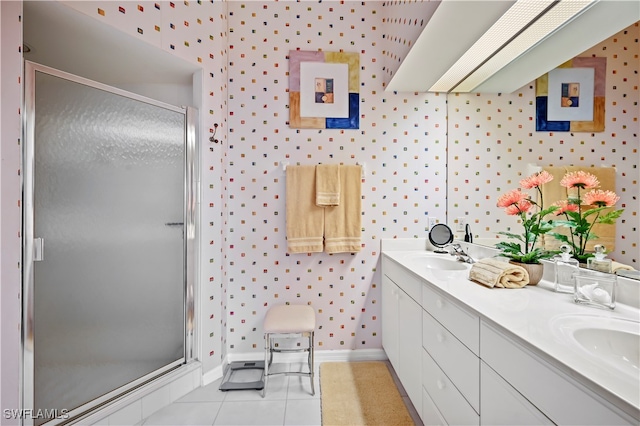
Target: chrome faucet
point(460, 254)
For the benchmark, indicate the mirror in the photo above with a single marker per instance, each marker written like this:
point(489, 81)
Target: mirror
point(492, 140)
point(440, 235)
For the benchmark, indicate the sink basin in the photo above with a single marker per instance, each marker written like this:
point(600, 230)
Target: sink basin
point(436, 261)
point(444, 264)
point(613, 341)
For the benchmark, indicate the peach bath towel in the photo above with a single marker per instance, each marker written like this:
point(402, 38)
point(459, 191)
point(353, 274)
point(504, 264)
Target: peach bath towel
point(305, 220)
point(342, 223)
point(327, 185)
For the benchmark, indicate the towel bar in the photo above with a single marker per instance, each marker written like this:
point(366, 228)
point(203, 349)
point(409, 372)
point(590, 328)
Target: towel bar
point(363, 166)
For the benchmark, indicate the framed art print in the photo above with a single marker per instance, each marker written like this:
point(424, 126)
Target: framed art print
point(324, 90)
point(571, 98)
point(570, 94)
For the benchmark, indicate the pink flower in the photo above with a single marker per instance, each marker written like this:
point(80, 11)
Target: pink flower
point(580, 179)
point(512, 197)
point(565, 206)
point(600, 198)
point(536, 180)
point(521, 206)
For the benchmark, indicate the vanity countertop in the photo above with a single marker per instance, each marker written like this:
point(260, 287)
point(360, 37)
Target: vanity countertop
point(533, 316)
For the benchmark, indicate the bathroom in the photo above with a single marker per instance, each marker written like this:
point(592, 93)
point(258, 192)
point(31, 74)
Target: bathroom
point(405, 140)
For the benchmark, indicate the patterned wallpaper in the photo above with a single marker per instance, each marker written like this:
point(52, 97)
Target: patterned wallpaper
point(10, 205)
point(403, 22)
point(402, 142)
point(492, 139)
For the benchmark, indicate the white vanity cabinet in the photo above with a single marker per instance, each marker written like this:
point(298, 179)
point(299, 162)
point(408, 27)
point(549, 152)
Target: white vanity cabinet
point(451, 345)
point(503, 405)
point(450, 362)
point(554, 393)
point(402, 327)
point(442, 380)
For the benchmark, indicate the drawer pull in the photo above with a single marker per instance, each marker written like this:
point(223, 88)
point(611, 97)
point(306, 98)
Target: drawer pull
point(440, 337)
point(440, 384)
point(439, 303)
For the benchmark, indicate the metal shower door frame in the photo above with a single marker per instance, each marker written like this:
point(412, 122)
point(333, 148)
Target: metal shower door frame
point(28, 239)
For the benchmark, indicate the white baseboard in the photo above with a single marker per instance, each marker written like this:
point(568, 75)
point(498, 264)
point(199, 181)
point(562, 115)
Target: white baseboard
point(351, 355)
point(320, 356)
point(212, 375)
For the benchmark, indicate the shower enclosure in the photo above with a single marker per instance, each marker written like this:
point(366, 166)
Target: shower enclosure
point(108, 236)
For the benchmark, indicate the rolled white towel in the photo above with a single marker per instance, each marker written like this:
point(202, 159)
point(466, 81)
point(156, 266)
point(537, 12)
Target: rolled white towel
point(495, 273)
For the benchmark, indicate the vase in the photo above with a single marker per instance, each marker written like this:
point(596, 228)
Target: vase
point(534, 270)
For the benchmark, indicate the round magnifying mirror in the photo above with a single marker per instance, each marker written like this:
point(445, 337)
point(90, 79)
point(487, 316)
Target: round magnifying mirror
point(440, 235)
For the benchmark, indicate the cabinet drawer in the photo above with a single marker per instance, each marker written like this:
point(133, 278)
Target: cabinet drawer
point(430, 414)
point(450, 402)
point(460, 364)
point(458, 320)
point(560, 398)
point(503, 405)
point(404, 279)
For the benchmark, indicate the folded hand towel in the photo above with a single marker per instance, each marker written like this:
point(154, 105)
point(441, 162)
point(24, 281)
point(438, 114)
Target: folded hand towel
point(495, 273)
point(617, 266)
point(327, 185)
point(342, 227)
point(305, 220)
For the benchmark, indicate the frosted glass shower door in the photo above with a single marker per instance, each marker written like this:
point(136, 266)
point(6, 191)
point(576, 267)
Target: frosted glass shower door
point(108, 276)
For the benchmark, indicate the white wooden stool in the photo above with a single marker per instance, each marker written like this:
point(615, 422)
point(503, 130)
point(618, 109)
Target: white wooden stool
point(288, 322)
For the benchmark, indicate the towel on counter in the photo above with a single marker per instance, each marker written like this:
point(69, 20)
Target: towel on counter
point(553, 192)
point(617, 266)
point(342, 223)
point(495, 273)
point(305, 220)
point(327, 185)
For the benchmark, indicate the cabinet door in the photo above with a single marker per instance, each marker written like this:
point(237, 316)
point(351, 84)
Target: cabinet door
point(561, 398)
point(390, 344)
point(503, 405)
point(410, 347)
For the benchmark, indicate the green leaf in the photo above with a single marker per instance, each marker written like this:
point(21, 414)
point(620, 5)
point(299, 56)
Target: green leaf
point(548, 211)
point(566, 223)
point(610, 217)
point(510, 248)
point(560, 237)
point(511, 235)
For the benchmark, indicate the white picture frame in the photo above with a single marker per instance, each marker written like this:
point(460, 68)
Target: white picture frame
point(585, 77)
point(339, 74)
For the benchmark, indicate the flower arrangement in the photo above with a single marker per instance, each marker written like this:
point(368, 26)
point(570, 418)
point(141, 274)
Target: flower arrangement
point(520, 203)
point(582, 213)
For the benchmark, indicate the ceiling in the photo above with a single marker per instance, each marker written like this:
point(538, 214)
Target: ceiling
point(63, 38)
point(456, 25)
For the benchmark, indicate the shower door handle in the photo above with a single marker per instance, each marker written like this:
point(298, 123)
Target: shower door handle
point(176, 225)
point(38, 249)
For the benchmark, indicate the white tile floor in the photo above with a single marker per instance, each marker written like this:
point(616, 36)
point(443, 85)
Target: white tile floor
point(288, 401)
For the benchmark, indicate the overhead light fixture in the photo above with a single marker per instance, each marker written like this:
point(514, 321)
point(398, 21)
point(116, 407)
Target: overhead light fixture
point(523, 26)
